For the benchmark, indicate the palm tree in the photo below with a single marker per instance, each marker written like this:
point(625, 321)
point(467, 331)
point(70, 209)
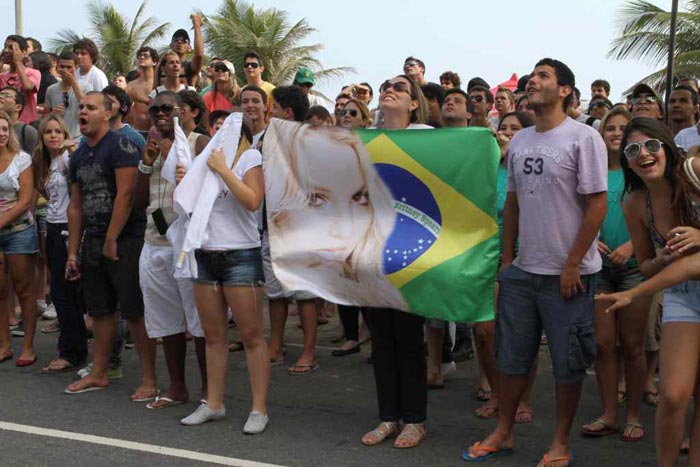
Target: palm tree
point(238, 27)
point(117, 37)
point(645, 35)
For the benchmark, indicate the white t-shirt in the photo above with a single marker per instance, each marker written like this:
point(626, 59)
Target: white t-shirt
point(160, 89)
point(551, 173)
point(231, 226)
point(687, 137)
point(95, 78)
point(57, 189)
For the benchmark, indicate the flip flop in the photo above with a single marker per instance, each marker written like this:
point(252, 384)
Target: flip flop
point(491, 452)
point(51, 328)
point(48, 369)
point(145, 396)
point(483, 395)
point(607, 430)
point(277, 362)
point(89, 388)
point(7, 357)
point(529, 413)
point(629, 427)
point(305, 369)
point(162, 403)
point(568, 459)
point(22, 362)
point(235, 346)
point(486, 413)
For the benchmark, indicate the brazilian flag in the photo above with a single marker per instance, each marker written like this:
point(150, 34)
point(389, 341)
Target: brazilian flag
point(444, 250)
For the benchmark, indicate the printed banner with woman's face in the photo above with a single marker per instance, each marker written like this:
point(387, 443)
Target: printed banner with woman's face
point(398, 219)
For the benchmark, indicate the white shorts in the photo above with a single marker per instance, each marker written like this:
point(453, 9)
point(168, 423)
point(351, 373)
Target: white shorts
point(168, 302)
point(273, 287)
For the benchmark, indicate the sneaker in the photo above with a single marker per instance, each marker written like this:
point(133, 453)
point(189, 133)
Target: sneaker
point(19, 330)
point(203, 414)
point(12, 327)
point(112, 373)
point(41, 307)
point(256, 423)
point(448, 368)
point(49, 312)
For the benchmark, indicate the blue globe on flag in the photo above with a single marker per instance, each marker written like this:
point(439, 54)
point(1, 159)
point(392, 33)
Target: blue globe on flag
point(418, 222)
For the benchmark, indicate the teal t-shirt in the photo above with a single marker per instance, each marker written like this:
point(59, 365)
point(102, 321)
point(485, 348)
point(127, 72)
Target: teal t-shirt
point(614, 230)
point(501, 194)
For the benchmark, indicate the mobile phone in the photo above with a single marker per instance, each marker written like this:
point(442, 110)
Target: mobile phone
point(159, 221)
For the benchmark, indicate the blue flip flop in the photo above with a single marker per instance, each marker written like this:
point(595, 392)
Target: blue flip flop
point(492, 452)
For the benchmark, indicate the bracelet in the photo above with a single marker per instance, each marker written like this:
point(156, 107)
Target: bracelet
point(73, 260)
point(145, 169)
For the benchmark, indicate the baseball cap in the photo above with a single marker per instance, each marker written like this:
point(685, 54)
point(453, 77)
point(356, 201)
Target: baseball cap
point(230, 66)
point(181, 34)
point(643, 88)
point(477, 82)
point(305, 76)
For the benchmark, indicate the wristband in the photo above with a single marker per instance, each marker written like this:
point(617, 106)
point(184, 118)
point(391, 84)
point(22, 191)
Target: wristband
point(145, 169)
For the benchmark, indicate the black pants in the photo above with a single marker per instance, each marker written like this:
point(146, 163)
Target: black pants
point(72, 340)
point(400, 370)
point(349, 316)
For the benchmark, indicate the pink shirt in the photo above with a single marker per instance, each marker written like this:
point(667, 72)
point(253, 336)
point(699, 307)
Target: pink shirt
point(8, 78)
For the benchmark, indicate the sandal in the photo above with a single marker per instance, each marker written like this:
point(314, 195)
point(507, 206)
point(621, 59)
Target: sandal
point(58, 365)
point(483, 395)
point(629, 429)
point(235, 346)
point(411, 436)
point(145, 396)
point(651, 398)
point(299, 369)
point(7, 356)
point(383, 431)
point(51, 328)
point(607, 429)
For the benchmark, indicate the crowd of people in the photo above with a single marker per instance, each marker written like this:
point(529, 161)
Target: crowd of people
point(592, 202)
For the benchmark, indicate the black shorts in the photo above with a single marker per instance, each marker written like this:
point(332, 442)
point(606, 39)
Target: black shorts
point(108, 283)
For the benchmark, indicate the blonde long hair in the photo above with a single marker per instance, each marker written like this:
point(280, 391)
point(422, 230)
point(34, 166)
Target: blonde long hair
point(41, 159)
point(12, 142)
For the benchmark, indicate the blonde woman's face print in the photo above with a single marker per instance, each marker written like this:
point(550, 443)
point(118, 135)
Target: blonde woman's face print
point(337, 204)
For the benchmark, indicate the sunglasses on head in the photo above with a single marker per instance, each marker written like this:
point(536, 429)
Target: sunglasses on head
point(181, 40)
point(353, 112)
point(251, 65)
point(220, 67)
point(398, 86)
point(600, 104)
point(651, 145)
point(644, 98)
point(167, 109)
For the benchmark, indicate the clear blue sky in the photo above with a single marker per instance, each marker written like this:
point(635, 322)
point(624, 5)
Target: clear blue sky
point(469, 37)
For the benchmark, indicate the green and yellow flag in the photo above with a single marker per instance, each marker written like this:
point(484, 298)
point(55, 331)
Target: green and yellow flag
point(403, 219)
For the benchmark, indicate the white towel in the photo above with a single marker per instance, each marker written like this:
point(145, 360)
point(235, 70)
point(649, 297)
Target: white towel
point(195, 195)
point(179, 154)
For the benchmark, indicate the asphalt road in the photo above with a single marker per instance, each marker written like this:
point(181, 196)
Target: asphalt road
point(315, 420)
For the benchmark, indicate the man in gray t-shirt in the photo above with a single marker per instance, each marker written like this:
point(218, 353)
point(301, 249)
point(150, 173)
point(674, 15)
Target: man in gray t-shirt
point(556, 203)
point(64, 97)
point(12, 102)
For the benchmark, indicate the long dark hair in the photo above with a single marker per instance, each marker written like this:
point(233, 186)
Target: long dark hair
point(523, 118)
point(680, 187)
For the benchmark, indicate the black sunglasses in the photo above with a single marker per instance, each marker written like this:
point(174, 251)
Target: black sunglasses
point(220, 67)
point(600, 104)
point(398, 86)
point(353, 112)
point(476, 98)
point(167, 109)
point(251, 65)
point(66, 101)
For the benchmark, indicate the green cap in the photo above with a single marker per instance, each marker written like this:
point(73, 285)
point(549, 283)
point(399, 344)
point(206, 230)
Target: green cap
point(305, 76)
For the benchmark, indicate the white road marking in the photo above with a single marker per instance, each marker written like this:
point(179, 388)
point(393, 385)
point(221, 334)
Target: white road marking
point(123, 444)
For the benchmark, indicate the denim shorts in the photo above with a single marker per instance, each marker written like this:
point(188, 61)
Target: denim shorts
point(618, 279)
point(682, 303)
point(230, 267)
point(24, 242)
point(529, 303)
